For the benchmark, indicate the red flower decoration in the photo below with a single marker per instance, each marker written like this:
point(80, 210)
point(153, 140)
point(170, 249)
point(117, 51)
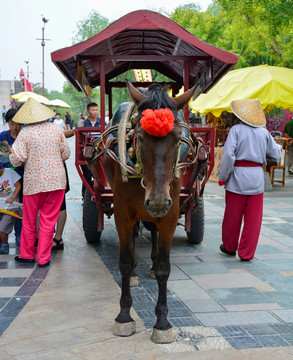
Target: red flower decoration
point(157, 122)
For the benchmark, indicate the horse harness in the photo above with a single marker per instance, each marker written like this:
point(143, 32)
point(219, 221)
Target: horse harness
point(126, 131)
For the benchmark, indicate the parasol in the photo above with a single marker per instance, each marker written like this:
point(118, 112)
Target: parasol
point(59, 103)
point(25, 95)
point(272, 85)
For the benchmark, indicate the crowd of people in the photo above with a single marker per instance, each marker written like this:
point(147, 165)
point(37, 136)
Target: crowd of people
point(36, 180)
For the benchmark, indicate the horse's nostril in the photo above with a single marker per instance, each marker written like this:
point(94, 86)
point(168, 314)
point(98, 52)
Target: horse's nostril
point(147, 202)
point(168, 203)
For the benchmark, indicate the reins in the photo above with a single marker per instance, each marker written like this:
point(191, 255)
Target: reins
point(101, 147)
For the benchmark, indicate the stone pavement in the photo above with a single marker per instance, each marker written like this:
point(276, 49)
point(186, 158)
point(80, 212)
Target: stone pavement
point(220, 308)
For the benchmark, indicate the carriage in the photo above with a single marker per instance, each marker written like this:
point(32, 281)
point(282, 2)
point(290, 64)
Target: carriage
point(98, 199)
point(144, 40)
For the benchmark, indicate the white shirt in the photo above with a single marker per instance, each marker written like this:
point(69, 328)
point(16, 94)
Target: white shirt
point(7, 187)
point(248, 143)
point(60, 123)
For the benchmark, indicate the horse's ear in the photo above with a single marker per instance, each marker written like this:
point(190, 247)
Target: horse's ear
point(183, 99)
point(135, 94)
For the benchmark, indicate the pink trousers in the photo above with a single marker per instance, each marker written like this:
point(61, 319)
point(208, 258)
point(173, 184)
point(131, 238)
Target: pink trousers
point(242, 207)
point(48, 203)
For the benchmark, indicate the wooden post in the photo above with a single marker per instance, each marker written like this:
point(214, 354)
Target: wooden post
point(186, 87)
point(102, 94)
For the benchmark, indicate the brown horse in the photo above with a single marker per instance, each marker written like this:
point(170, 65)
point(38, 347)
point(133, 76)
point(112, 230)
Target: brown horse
point(153, 198)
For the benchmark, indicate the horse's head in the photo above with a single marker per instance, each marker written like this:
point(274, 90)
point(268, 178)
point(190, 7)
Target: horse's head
point(158, 143)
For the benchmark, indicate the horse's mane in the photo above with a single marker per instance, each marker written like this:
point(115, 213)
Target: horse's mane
point(156, 98)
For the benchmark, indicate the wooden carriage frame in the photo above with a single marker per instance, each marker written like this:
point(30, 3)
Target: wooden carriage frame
point(141, 40)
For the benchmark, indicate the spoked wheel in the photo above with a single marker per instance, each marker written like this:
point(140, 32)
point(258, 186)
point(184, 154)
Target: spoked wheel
point(90, 219)
point(195, 236)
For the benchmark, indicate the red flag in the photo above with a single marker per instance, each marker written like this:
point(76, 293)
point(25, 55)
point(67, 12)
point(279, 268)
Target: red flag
point(27, 85)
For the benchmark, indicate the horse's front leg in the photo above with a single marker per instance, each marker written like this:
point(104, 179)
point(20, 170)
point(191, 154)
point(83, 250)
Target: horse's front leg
point(154, 254)
point(124, 324)
point(134, 277)
point(162, 331)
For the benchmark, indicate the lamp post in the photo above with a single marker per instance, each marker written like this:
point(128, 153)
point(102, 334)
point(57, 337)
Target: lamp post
point(43, 51)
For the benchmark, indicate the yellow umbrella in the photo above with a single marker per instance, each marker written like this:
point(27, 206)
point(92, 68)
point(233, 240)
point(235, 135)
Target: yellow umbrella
point(20, 95)
point(196, 105)
point(59, 103)
point(25, 95)
point(272, 85)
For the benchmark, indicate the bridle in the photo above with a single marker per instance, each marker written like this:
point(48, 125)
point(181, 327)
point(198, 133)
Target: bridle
point(104, 145)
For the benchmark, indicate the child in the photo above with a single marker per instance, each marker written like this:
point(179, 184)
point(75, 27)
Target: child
point(9, 190)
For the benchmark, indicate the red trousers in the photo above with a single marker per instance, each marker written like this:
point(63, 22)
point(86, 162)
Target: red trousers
point(48, 203)
point(242, 207)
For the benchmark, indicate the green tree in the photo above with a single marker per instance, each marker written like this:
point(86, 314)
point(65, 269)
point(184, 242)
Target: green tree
point(90, 26)
point(78, 100)
point(38, 89)
point(259, 30)
point(207, 26)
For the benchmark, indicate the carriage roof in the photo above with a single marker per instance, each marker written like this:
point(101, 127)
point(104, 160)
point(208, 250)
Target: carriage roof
point(143, 39)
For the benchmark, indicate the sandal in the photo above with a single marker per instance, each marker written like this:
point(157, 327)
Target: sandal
point(59, 245)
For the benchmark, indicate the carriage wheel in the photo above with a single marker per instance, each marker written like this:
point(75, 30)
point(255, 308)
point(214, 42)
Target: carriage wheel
point(195, 236)
point(90, 219)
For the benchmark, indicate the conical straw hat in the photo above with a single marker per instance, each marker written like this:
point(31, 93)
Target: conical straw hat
point(249, 111)
point(32, 112)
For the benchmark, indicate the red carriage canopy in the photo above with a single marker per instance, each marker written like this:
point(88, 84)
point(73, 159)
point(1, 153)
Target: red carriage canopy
point(142, 39)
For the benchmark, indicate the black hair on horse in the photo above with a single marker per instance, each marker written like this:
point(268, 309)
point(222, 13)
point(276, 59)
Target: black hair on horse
point(156, 98)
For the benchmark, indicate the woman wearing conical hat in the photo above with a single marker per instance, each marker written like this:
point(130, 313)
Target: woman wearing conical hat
point(42, 148)
point(247, 147)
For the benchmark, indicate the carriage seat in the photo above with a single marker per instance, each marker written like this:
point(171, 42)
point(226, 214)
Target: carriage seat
point(118, 115)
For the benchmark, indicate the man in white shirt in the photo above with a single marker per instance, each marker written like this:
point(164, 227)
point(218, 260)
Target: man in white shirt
point(60, 122)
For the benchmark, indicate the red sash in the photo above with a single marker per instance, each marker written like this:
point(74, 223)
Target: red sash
point(244, 163)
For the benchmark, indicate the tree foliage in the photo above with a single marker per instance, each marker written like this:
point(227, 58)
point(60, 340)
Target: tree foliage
point(259, 31)
point(90, 26)
point(78, 100)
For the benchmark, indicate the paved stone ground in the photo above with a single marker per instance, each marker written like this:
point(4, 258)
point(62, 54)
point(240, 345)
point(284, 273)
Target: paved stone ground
point(239, 305)
point(215, 302)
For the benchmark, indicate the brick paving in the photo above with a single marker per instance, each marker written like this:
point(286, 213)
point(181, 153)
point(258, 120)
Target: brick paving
point(248, 305)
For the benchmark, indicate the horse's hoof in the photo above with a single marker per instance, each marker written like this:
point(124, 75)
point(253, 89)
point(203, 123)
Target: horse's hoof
point(152, 274)
point(126, 329)
point(133, 281)
point(162, 336)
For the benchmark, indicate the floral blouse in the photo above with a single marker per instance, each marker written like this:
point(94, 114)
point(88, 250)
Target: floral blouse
point(42, 148)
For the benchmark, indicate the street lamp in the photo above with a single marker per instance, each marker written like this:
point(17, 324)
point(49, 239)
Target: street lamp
point(43, 51)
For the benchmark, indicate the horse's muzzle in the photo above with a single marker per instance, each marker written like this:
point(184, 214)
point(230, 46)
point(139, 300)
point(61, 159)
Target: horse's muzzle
point(158, 207)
